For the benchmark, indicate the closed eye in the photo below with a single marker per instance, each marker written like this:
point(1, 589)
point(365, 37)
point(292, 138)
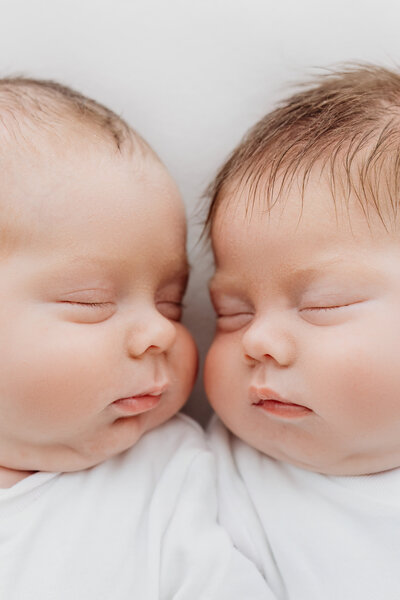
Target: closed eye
point(233, 321)
point(333, 307)
point(87, 304)
point(334, 314)
point(238, 314)
point(86, 312)
point(325, 308)
point(170, 309)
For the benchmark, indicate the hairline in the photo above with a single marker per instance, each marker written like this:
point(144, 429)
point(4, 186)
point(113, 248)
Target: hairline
point(354, 157)
point(29, 106)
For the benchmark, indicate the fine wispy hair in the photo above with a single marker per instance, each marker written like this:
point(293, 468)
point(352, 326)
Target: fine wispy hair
point(33, 106)
point(345, 122)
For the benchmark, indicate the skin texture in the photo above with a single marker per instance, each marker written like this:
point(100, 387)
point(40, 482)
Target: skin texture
point(91, 282)
point(308, 305)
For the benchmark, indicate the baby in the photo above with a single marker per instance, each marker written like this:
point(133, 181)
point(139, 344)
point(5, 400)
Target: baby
point(304, 369)
point(104, 496)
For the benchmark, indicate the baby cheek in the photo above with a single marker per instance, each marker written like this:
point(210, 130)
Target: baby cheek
point(184, 359)
point(59, 375)
point(221, 374)
point(359, 384)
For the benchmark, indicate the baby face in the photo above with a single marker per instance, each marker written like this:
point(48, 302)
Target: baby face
point(304, 365)
point(92, 351)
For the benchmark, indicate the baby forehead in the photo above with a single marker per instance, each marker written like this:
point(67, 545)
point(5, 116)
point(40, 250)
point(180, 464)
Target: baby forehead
point(252, 257)
point(242, 218)
point(308, 204)
point(79, 198)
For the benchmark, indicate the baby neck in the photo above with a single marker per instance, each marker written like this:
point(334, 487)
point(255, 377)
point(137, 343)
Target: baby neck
point(9, 477)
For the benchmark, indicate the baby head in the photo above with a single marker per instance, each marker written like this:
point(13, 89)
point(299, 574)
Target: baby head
point(93, 269)
point(304, 224)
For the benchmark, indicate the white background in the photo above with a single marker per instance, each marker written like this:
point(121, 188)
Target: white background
point(192, 76)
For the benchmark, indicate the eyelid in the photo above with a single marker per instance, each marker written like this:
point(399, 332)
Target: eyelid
point(234, 321)
point(87, 296)
point(315, 308)
point(172, 292)
point(174, 302)
point(89, 304)
point(220, 314)
point(229, 303)
point(166, 306)
point(85, 312)
point(332, 306)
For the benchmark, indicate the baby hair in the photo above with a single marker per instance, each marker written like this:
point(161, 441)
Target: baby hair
point(345, 122)
point(32, 106)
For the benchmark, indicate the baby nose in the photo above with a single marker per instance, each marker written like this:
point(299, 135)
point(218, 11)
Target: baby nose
point(265, 340)
point(151, 333)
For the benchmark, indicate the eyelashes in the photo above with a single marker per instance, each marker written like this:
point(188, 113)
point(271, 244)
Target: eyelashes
point(87, 304)
point(233, 322)
point(325, 308)
point(87, 312)
point(315, 315)
point(333, 307)
point(99, 311)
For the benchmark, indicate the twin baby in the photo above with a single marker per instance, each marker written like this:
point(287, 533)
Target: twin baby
point(107, 491)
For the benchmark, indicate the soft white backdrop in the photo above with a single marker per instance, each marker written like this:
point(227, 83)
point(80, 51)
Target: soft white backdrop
point(192, 76)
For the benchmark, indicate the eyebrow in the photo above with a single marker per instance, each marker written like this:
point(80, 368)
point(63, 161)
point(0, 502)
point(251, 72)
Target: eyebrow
point(296, 276)
point(182, 271)
point(331, 267)
point(218, 281)
point(84, 260)
point(102, 266)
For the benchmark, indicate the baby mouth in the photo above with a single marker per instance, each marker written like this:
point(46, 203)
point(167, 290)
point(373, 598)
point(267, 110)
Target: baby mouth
point(271, 403)
point(140, 403)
